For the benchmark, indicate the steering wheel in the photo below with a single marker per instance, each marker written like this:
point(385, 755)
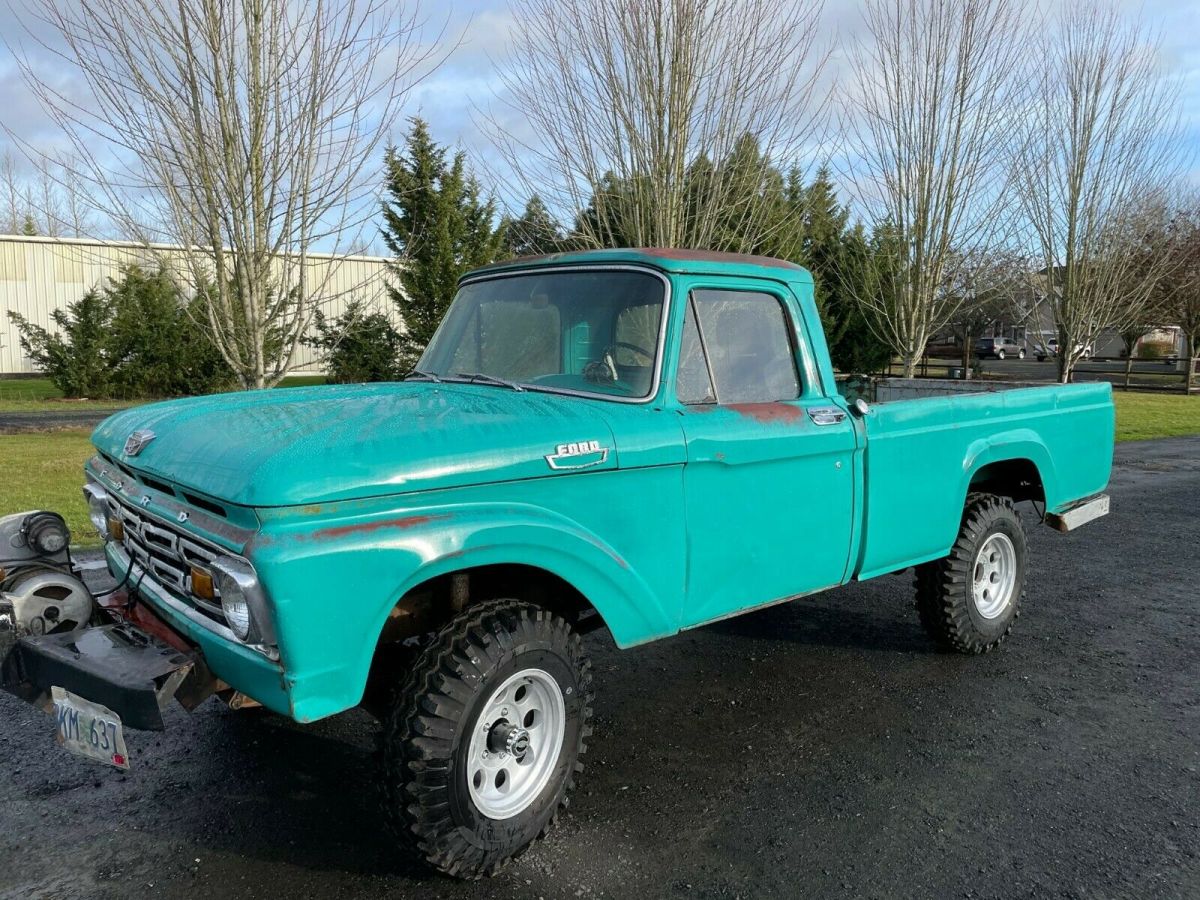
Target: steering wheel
point(625, 345)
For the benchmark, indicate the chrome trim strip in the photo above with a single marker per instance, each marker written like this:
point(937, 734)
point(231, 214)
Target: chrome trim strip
point(176, 605)
point(661, 349)
point(554, 460)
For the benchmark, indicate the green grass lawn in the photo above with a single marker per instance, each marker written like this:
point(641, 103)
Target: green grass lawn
point(34, 394)
point(1144, 416)
point(45, 470)
point(38, 394)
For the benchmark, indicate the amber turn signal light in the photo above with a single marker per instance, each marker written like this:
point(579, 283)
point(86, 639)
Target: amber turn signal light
point(116, 529)
point(202, 584)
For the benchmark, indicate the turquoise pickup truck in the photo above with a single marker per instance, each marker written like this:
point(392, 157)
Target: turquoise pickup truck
point(643, 441)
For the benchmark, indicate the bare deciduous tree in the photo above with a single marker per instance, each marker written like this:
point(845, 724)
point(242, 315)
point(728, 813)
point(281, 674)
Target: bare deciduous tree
point(928, 115)
point(238, 131)
point(39, 198)
point(13, 202)
point(1098, 149)
point(987, 289)
point(628, 108)
point(1180, 288)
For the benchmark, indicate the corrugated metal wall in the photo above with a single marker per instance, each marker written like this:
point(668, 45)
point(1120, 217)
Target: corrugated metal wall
point(39, 275)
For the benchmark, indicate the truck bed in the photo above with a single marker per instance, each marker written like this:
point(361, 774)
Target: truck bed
point(928, 440)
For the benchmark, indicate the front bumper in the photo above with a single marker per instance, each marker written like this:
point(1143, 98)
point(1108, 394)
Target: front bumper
point(117, 665)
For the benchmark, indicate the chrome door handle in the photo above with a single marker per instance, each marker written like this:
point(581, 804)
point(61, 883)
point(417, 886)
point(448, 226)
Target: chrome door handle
point(826, 415)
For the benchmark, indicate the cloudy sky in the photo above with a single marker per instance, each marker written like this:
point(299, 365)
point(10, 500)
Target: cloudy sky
point(466, 81)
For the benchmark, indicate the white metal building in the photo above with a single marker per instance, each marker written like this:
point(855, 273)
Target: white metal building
point(40, 274)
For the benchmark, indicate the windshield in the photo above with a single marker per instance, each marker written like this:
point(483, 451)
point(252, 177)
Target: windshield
point(595, 332)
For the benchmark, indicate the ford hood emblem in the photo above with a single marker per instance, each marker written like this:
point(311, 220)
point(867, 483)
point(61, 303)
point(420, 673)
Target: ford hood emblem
point(136, 442)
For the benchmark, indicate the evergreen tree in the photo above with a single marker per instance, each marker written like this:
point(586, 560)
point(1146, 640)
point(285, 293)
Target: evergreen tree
point(536, 231)
point(753, 215)
point(594, 230)
point(359, 346)
point(132, 338)
point(437, 227)
point(844, 264)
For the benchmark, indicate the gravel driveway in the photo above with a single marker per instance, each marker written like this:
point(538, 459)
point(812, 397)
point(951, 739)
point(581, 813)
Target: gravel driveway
point(822, 748)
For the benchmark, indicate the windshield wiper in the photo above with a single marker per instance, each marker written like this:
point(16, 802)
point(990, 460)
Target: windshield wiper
point(420, 374)
point(473, 377)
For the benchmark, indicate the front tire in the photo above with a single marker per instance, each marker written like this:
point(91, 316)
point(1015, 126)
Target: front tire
point(483, 743)
point(970, 600)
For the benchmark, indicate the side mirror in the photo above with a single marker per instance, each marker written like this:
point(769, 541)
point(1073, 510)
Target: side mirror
point(861, 406)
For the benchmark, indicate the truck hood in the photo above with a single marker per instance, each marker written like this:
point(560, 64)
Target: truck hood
point(291, 446)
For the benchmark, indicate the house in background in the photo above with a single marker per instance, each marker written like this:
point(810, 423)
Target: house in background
point(1030, 322)
point(41, 274)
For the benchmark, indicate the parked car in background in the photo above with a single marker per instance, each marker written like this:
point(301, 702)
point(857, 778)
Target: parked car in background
point(1050, 349)
point(999, 348)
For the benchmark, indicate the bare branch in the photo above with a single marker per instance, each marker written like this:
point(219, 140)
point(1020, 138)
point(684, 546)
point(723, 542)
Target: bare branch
point(1099, 148)
point(628, 107)
point(239, 131)
point(927, 117)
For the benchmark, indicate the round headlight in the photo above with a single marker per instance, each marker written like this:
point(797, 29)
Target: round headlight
point(46, 532)
point(97, 501)
point(242, 600)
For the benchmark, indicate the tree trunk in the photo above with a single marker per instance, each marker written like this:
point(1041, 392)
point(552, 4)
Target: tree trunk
point(1190, 363)
point(966, 359)
point(909, 361)
point(1128, 366)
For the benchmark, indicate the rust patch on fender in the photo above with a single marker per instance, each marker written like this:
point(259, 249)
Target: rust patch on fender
point(768, 412)
point(616, 557)
point(339, 531)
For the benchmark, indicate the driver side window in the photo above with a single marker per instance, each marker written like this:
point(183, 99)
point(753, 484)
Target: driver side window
point(736, 349)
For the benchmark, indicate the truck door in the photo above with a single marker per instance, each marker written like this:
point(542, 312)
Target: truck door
point(769, 477)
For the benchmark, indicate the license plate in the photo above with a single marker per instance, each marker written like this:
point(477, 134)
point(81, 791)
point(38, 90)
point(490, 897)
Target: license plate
point(89, 729)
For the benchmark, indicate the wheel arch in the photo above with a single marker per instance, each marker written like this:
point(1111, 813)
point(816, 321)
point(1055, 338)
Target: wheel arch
point(1014, 464)
point(535, 557)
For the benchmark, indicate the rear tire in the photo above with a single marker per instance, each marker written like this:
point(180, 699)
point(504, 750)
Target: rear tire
point(482, 745)
point(970, 600)
point(999, 354)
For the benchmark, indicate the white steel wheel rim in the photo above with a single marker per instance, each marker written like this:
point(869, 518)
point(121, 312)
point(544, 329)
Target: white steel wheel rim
point(515, 744)
point(995, 575)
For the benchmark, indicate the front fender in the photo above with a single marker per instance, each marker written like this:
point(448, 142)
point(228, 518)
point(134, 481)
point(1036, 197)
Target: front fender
point(334, 586)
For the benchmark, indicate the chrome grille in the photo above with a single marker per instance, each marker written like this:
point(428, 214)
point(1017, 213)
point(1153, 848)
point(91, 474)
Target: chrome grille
point(166, 554)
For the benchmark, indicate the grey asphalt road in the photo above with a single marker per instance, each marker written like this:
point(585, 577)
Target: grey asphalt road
point(17, 422)
point(821, 748)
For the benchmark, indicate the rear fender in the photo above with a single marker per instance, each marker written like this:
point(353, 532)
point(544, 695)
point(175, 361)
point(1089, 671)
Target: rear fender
point(1014, 444)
